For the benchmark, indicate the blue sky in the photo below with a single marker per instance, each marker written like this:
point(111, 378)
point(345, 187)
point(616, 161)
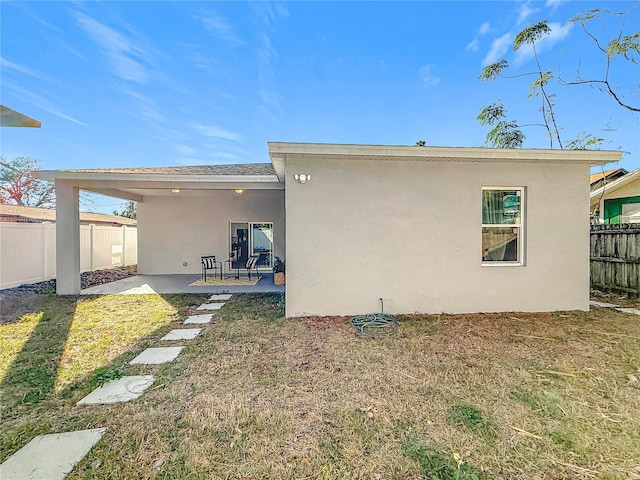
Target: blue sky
point(127, 84)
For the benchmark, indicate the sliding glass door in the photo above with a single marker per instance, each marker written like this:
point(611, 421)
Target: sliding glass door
point(251, 239)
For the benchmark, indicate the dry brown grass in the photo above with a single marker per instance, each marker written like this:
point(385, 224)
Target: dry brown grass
point(285, 401)
point(260, 397)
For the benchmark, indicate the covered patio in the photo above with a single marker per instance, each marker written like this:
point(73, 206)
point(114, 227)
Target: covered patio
point(231, 211)
point(177, 283)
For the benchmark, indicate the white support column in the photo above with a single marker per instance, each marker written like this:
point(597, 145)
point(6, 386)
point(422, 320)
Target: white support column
point(67, 238)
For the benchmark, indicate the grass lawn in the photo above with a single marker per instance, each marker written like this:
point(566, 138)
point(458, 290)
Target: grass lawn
point(512, 396)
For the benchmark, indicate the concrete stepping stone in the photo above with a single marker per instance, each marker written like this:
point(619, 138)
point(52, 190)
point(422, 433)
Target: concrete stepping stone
point(602, 304)
point(121, 390)
point(220, 296)
point(182, 334)
point(206, 318)
point(633, 311)
point(50, 457)
point(156, 355)
point(210, 306)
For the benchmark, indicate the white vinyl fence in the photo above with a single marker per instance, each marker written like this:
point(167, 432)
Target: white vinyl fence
point(28, 250)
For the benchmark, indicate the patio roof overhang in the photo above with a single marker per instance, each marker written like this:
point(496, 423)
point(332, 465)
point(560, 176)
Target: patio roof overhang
point(135, 186)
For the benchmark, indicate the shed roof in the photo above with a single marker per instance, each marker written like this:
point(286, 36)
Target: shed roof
point(49, 215)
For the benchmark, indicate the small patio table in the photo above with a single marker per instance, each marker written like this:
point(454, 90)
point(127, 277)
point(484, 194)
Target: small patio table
point(230, 267)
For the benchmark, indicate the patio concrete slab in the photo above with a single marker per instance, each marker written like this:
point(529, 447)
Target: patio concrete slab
point(205, 318)
point(602, 304)
point(182, 334)
point(157, 355)
point(220, 296)
point(50, 457)
point(210, 306)
point(121, 390)
point(633, 311)
point(177, 283)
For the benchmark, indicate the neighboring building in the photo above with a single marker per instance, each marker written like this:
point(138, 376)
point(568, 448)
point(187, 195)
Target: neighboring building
point(427, 229)
point(617, 201)
point(20, 214)
point(607, 176)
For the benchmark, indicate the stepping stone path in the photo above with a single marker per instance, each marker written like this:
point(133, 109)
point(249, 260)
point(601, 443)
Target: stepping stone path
point(50, 457)
point(220, 296)
point(123, 389)
point(53, 456)
point(210, 306)
point(199, 319)
point(155, 356)
point(632, 311)
point(182, 334)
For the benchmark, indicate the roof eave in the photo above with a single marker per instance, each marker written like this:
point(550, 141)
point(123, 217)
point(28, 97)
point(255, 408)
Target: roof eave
point(280, 151)
point(150, 177)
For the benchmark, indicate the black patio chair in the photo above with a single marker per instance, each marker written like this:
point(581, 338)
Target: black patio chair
point(209, 263)
point(252, 264)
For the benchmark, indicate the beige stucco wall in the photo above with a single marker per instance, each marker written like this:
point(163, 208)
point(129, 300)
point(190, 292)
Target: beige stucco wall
point(180, 228)
point(410, 232)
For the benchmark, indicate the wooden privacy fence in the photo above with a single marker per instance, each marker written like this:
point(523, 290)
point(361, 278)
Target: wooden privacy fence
point(615, 257)
point(28, 250)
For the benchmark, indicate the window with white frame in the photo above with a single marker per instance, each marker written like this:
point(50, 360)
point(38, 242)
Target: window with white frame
point(502, 225)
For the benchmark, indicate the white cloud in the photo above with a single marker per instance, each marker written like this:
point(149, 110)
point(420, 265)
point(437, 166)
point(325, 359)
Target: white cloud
point(269, 13)
point(525, 12)
point(484, 28)
point(553, 4)
point(220, 27)
point(558, 33)
point(185, 150)
point(6, 64)
point(123, 53)
point(429, 79)
point(498, 48)
point(215, 131)
point(41, 102)
point(474, 45)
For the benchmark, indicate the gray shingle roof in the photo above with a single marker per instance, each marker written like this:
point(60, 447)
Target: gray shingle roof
point(232, 169)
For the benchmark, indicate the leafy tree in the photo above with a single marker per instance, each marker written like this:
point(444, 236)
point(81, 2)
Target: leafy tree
point(18, 186)
point(507, 133)
point(529, 36)
point(129, 210)
point(504, 134)
point(625, 46)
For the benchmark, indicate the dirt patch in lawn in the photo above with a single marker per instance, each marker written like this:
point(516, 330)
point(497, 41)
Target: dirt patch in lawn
point(616, 298)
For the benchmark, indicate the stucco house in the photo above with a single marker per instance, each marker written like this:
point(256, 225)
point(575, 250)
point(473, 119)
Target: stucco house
point(617, 201)
point(427, 229)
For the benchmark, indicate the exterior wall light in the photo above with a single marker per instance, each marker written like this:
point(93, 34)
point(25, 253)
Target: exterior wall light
point(175, 190)
point(239, 191)
point(302, 177)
